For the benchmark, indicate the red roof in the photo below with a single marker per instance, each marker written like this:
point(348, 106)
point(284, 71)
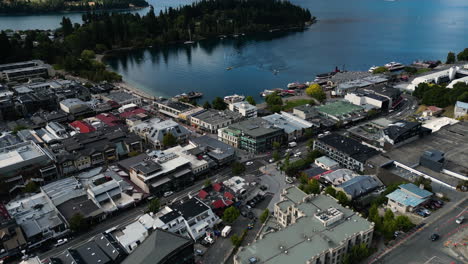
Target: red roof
point(108, 119)
point(202, 194)
point(132, 112)
point(217, 187)
point(82, 126)
point(229, 195)
point(434, 108)
point(219, 204)
point(228, 202)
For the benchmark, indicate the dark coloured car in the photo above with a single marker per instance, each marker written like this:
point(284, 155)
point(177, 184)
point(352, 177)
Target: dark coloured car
point(434, 237)
point(263, 187)
point(250, 215)
point(244, 213)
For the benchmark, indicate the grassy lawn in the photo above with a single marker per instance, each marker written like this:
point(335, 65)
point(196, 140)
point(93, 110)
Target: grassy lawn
point(290, 104)
point(422, 70)
point(449, 111)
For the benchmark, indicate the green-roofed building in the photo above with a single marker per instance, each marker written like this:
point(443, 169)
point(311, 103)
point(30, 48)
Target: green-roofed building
point(253, 135)
point(311, 229)
point(342, 111)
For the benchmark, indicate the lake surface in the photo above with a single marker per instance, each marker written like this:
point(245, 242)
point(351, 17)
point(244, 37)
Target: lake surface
point(349, 34)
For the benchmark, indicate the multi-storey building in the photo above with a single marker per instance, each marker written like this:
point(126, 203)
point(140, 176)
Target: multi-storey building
point(314, 229)
point(244, 108)
point(211, 120)
point(348, 152)
point(253, 135)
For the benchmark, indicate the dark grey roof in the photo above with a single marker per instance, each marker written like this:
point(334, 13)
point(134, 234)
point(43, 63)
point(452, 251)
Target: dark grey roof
point(376, 97)
point(120, 96)
point(177, 105)
point(190, 208)
point(314, 171)
point(81, 205)
point(126, 164)
point(170, 216)
point(384, 91)
point(110, 246)
point(214, 148)
point(360, 185)
point(399, 128)
point(91, 253)
point(255, 127)
point(434, 155)
point(147, 167)
point(349, 146)
point(157, 247)
point(68, 256)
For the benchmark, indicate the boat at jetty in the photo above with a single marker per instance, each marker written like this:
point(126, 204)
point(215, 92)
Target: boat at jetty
point(234, 98)
point(371, 69)
point(296, 85)
point(189, 95)
point(394, 66)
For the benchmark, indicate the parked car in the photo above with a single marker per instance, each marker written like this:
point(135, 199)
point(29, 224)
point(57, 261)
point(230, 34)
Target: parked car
point(61, 242)
point(271, 160)
point(167, 194)
point(298, 154)
point(248, 163)
point(289, 180)
point(460, 220)
point(209, 240)
point(434, 237)
point(250, 215)
point(199, 252)
point(244, 213)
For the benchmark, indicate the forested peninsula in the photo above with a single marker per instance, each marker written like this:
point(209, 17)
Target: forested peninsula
point(73, 46)
point(48, 6)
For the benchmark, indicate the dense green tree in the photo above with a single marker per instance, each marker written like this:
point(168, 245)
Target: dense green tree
point(169, 140)
point(67, 27)
point(237, 168)
point(251, 100)
point(207, 183)
point(207, 105)
point(463, 56)
point(450, 58)
point(219, 104)
point(31, 187)
point(154, 205)
point(264, 215)
point(78, 223)
point(274, 102)
point(88, 54)
point(330, 190)
point(230, 214)
point(357, 254)
point(276, 145)
point(410, 70)
point(236, 240)
point(342, 198)
point(276, 155)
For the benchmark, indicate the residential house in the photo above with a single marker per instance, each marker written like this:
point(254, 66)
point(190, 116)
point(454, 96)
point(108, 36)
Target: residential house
point(407, 197)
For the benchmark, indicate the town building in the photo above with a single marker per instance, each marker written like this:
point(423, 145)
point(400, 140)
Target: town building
point(130, 236)
point(461, 109)
point(313, 229)
point(346, 82)
point(405, 160)
point(37, 217)
point(163, 247)
point(254, 135)
point(102, 249)
point(25, 70)
point(326, 163)
point(75, 106)
point(368, 100)
point(310, 113)
point(221, 153)
point(190, 218)
point(82, 126)
point(12, 239)
point(177, 109)
point(402, 132)
point(211, 120)
point(393, 95)
point(152, 131)
point(244, 108)
point(26, 159)
point(348, 152)
point(407, 197)
point(293, 126)
point(339, 176)
point(432, 111)
point(97, 148)
point(359, 186)
point(197, 163)
point(342, 111)
point(165, 172)
point(122, 98)
point(444, 76)
point(370, 132)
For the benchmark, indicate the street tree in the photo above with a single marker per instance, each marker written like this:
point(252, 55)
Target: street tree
point(250, 100)
point(264, 215)
point(316, 91)
point(169, 140)
point(450, 58)
point(219, 104)
point(154, 205)
point(230, 214)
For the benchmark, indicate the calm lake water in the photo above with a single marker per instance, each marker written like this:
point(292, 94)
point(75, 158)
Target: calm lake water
point(351, 34)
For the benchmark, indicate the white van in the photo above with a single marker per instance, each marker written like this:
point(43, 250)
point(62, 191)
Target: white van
point(226, 231)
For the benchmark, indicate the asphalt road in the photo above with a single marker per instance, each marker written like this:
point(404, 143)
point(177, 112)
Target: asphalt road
point(419, 249)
